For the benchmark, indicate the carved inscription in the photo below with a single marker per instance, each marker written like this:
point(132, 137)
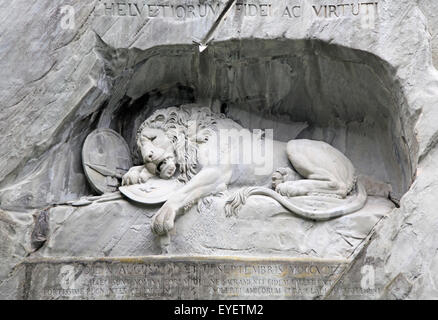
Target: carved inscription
point(201, 9)
point(181, 278)
point(154, 10)
point(334, 10)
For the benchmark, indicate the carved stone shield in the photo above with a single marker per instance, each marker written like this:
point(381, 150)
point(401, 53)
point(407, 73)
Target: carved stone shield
point(105, 158)
point(154, 191)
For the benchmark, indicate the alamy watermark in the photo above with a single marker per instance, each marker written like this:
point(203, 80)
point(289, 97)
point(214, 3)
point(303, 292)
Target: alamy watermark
point(243, 147)
point(67, 277)
point(368, 281)
point(68, 18)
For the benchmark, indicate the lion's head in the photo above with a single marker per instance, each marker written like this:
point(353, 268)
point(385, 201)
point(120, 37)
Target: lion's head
point(170, 138)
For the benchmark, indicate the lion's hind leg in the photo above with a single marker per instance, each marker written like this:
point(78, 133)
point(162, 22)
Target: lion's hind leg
point(326, 169)
point(282, 175)
point(307, 187)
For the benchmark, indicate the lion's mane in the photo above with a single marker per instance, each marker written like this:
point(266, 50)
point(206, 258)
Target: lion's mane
point(186, 126)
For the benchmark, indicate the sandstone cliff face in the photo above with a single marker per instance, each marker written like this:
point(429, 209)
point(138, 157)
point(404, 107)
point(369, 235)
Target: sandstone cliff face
point(367, 85)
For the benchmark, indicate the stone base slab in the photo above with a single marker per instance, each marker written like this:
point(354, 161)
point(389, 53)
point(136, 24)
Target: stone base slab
point(179, 277)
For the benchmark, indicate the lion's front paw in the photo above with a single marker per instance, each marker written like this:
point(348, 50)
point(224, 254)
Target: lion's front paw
point(143, 176)
point(131, 177)
point(135, 175)
point(164, 220)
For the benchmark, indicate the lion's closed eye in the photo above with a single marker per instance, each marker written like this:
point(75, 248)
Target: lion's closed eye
point(150, 137)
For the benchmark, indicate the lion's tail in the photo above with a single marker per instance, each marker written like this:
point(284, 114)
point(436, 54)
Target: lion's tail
point(238, 200)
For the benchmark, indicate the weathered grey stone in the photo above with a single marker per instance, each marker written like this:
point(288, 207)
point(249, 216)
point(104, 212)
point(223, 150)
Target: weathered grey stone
point(405, 242)
point(429, 9)
point(120, 228)
point(11, 288)
point(41, 230)
point(368, 87)
point(15, 243)
point(118, 77)
point(193, 277)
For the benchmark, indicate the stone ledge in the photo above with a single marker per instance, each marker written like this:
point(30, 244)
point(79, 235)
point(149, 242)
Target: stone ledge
point(179, 258)
point(177, 277)
point(120, 228)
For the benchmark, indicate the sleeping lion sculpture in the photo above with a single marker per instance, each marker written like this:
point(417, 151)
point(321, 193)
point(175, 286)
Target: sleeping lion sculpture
point(180, 142)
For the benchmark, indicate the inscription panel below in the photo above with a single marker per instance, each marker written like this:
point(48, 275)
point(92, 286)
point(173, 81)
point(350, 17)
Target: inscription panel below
point(180, 278)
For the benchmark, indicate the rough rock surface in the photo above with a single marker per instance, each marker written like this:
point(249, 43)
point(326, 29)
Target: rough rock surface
point(429, 9)
point(15, 236)
point(122, 229)
point(58, 85)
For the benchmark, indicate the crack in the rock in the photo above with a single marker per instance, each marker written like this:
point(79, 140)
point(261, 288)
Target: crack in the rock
point(43, 75)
